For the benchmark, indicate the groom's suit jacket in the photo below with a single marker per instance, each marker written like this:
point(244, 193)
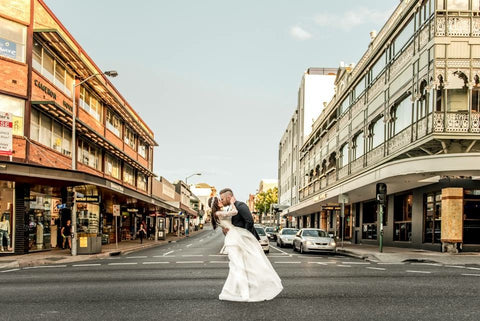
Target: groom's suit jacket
point(244, 218)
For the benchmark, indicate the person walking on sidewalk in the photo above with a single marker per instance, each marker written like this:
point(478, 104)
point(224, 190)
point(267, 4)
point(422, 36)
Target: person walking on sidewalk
point(67, 234)
point(5, 231)
point(141, 233)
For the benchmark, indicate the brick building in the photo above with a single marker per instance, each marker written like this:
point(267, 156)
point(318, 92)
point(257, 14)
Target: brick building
point(112, 147)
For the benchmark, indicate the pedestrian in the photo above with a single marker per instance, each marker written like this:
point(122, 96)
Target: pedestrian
point(141, 233)
point(66, 232)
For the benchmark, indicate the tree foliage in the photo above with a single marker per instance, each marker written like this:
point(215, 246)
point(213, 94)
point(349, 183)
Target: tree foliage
point(263, 200)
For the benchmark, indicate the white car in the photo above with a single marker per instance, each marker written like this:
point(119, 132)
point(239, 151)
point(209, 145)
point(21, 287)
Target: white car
point(285, 236)
point(264, 242)
point(313, 240)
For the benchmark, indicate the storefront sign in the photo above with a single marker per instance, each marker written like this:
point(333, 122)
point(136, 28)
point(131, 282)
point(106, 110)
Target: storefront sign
point(116, 187)
point(116, 210)
point(6, 133)
point(8, 49)
point(88, 199)
point(83, 241)
point(45, 89)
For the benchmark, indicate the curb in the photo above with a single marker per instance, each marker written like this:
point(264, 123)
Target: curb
point(352, 254)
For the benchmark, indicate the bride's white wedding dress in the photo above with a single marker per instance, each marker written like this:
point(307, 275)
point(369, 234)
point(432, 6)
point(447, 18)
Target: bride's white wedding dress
point(251, 277)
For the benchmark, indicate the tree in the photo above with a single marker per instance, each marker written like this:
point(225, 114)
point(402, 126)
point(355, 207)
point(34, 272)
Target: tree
point(264, 200)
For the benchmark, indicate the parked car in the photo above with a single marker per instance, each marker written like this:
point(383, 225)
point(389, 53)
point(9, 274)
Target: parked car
point(270, 230)
point(311, 239)
point(263, 239)
point(285, 236)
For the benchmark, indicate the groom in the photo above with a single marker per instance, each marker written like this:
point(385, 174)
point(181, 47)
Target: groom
point(244, 218)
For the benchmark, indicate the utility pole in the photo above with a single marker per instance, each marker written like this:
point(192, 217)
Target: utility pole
point(381, 192)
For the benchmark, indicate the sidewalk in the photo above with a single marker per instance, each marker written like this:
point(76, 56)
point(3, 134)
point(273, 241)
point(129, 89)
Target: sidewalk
point(399, 255)
point(59, 256)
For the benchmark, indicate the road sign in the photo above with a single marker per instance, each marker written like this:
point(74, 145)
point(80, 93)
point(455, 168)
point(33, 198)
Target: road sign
point(116, 210)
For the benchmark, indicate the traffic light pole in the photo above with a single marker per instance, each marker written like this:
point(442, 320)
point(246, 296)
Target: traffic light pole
point(74, 223)
point(381, 227)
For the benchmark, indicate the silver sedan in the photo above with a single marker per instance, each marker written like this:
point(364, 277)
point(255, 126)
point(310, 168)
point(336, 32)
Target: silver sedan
point(313, 240)
point(285, 236)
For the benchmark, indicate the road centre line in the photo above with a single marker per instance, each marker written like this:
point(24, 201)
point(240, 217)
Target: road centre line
point(455, 266)
point(156, 262)
point(286, 262)
point(188, 245)
point(217, 255)
point(358, 263)
point(473, 268)
point(341, 265)
point(470, 274)
point(375, 268)
point(189, 262)
point(413, 271)
point(124, 263)
point(11, 270)
point(45, 266)
point(137, 257)
point(165, 254)
point(319, 263)
point(219, 262)
point(428, 264)
point(189, 255)
point(84, 265)
point(390, 263)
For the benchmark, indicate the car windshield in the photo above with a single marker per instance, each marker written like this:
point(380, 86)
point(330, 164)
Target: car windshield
point(289, 232)
point(260, 231)
point(314, 233)
point(269, 229)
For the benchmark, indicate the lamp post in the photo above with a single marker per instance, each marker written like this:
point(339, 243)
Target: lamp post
point(186, 178)
point(110, 73)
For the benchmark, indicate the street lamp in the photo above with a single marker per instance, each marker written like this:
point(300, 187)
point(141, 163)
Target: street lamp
point(196, 174)
point(110, 73)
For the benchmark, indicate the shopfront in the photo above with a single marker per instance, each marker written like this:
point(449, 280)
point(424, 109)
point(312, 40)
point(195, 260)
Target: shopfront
point(7, 219)
point(88, 220)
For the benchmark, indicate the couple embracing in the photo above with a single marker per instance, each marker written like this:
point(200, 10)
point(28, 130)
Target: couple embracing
point(251, 277)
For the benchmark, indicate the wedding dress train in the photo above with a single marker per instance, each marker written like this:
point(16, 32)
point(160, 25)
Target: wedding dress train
point(251, 277)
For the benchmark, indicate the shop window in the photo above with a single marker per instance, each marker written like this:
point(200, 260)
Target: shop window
point(402, 115)
point(457, 93)
point(114, 123)
point(128, 175)
point(142, 181)
point(7, 208)
point(13, 39)
point(471, 219)
point(38, 207)
point(16, 107)
point(89, 155)
point(369, 220)
point(130, 138)
point(142, 149)
point(402, 214)
point(112, 166)
point(50, 133)
point(358, 146)
point(432, 217)
point(90, 103)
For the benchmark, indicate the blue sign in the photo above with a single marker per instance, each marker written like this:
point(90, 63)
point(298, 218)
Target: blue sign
point(8, 49)
point(61, 206)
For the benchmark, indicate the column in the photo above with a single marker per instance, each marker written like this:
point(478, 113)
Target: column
point(452, 219)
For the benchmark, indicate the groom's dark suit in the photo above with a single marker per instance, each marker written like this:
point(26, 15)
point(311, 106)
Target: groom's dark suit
point(244, 218)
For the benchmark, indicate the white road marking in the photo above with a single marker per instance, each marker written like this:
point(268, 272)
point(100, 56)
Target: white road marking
point(390, 263)
point(319, 263)
point(136, 257)
point(217, 255)
point(155, 262)
point(188, 245)
point(412, 271)
point(168, 253)
point(11, 270)
point(286, 262)
point(83, 265)
point(344, 265)
point(189, 262)
point(455, 266)
point(45, 266)
point(375, 268)
point(125, 263)
point(358, 263)
point(201, 240)
point(275, 248)
point(219, 262)
point(467, 274)
point(188, 255)
point(428, 264)
point(473, 268)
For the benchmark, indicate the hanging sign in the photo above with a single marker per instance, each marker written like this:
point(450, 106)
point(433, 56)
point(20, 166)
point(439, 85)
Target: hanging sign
point(6, 133)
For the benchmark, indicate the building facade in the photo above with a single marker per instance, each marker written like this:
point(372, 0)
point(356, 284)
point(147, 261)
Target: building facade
point(107, 156)
point(408, 115)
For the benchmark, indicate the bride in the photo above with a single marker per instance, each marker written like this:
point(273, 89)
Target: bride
point(251, 277)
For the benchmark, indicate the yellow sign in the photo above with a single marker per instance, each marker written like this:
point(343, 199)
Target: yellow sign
point(83, 242)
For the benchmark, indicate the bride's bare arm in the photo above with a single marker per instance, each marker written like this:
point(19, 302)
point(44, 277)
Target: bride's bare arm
point(232, 212)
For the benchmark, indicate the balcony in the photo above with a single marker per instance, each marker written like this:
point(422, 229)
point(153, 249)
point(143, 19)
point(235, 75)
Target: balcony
point(456, 122)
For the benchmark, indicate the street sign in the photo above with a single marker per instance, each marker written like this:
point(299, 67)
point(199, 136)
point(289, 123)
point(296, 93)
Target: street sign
point(116, 210)
point(6, 138)
point(61, 206)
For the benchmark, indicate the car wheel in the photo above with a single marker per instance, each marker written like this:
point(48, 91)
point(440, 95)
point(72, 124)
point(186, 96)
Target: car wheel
point(267, 251)
point(301, 249)
point(294, 247)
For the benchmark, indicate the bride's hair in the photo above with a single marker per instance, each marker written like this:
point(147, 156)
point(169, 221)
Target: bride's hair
point(213, 203)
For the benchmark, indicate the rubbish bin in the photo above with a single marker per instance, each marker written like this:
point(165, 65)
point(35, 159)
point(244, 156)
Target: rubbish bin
point(161, 234)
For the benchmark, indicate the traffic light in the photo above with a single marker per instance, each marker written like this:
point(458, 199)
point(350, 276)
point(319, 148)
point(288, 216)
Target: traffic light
point(381, 189)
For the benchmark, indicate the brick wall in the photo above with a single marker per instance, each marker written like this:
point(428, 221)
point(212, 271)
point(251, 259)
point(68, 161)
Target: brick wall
point(45, 156)
point(19, 147)
point(13, 77)
point(90, 121)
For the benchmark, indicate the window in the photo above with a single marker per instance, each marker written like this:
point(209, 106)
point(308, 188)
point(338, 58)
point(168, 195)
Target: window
point(142, 181)
point(90, 103)
point(439, 96)
point(128, 174)
point(50, 133)
point(457, 4)
point(403, 37)
point(359, 88)
point(402, 214)
point(358, 147)
point(344, 105)
point(440, 5)
point(378, 67)
point(142, 149)
point(476, 94)
point(112, 166)
point(114, 123)
point(402, 115)
point(129, 137)
point(51, 68)
point(457, 94)
point(89, 155)
point(13, 39)
point(344, 156)
point(16, 107)
point(432, 217)
point(422, 102)
point(378, 133)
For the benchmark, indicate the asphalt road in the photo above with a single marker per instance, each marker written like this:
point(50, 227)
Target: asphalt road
point(182, 280)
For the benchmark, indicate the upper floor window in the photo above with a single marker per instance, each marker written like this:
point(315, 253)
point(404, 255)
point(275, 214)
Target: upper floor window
point(458, 4)
point(377, 133)
point(90, 103)
point(128, 174)
point(114, 123)
point(112, 166)
point(402, 115)
point(50, 67)
point(344, 105)
point(404, 37)
point(16, 107)
point(142, 181)
point(359, 89)
point(13, 39)
point(457, 92)
point(50, 133)
point(358, 146)
point(129, 137)
point(343, 161)
point(476, 94)
point(89, 155)
point(142, 148)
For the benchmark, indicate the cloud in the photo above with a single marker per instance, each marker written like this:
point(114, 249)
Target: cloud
point(352, 18)
point(299, 33)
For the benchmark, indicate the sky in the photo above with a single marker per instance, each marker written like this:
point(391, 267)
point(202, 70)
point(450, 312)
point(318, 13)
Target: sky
point(217, 80)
